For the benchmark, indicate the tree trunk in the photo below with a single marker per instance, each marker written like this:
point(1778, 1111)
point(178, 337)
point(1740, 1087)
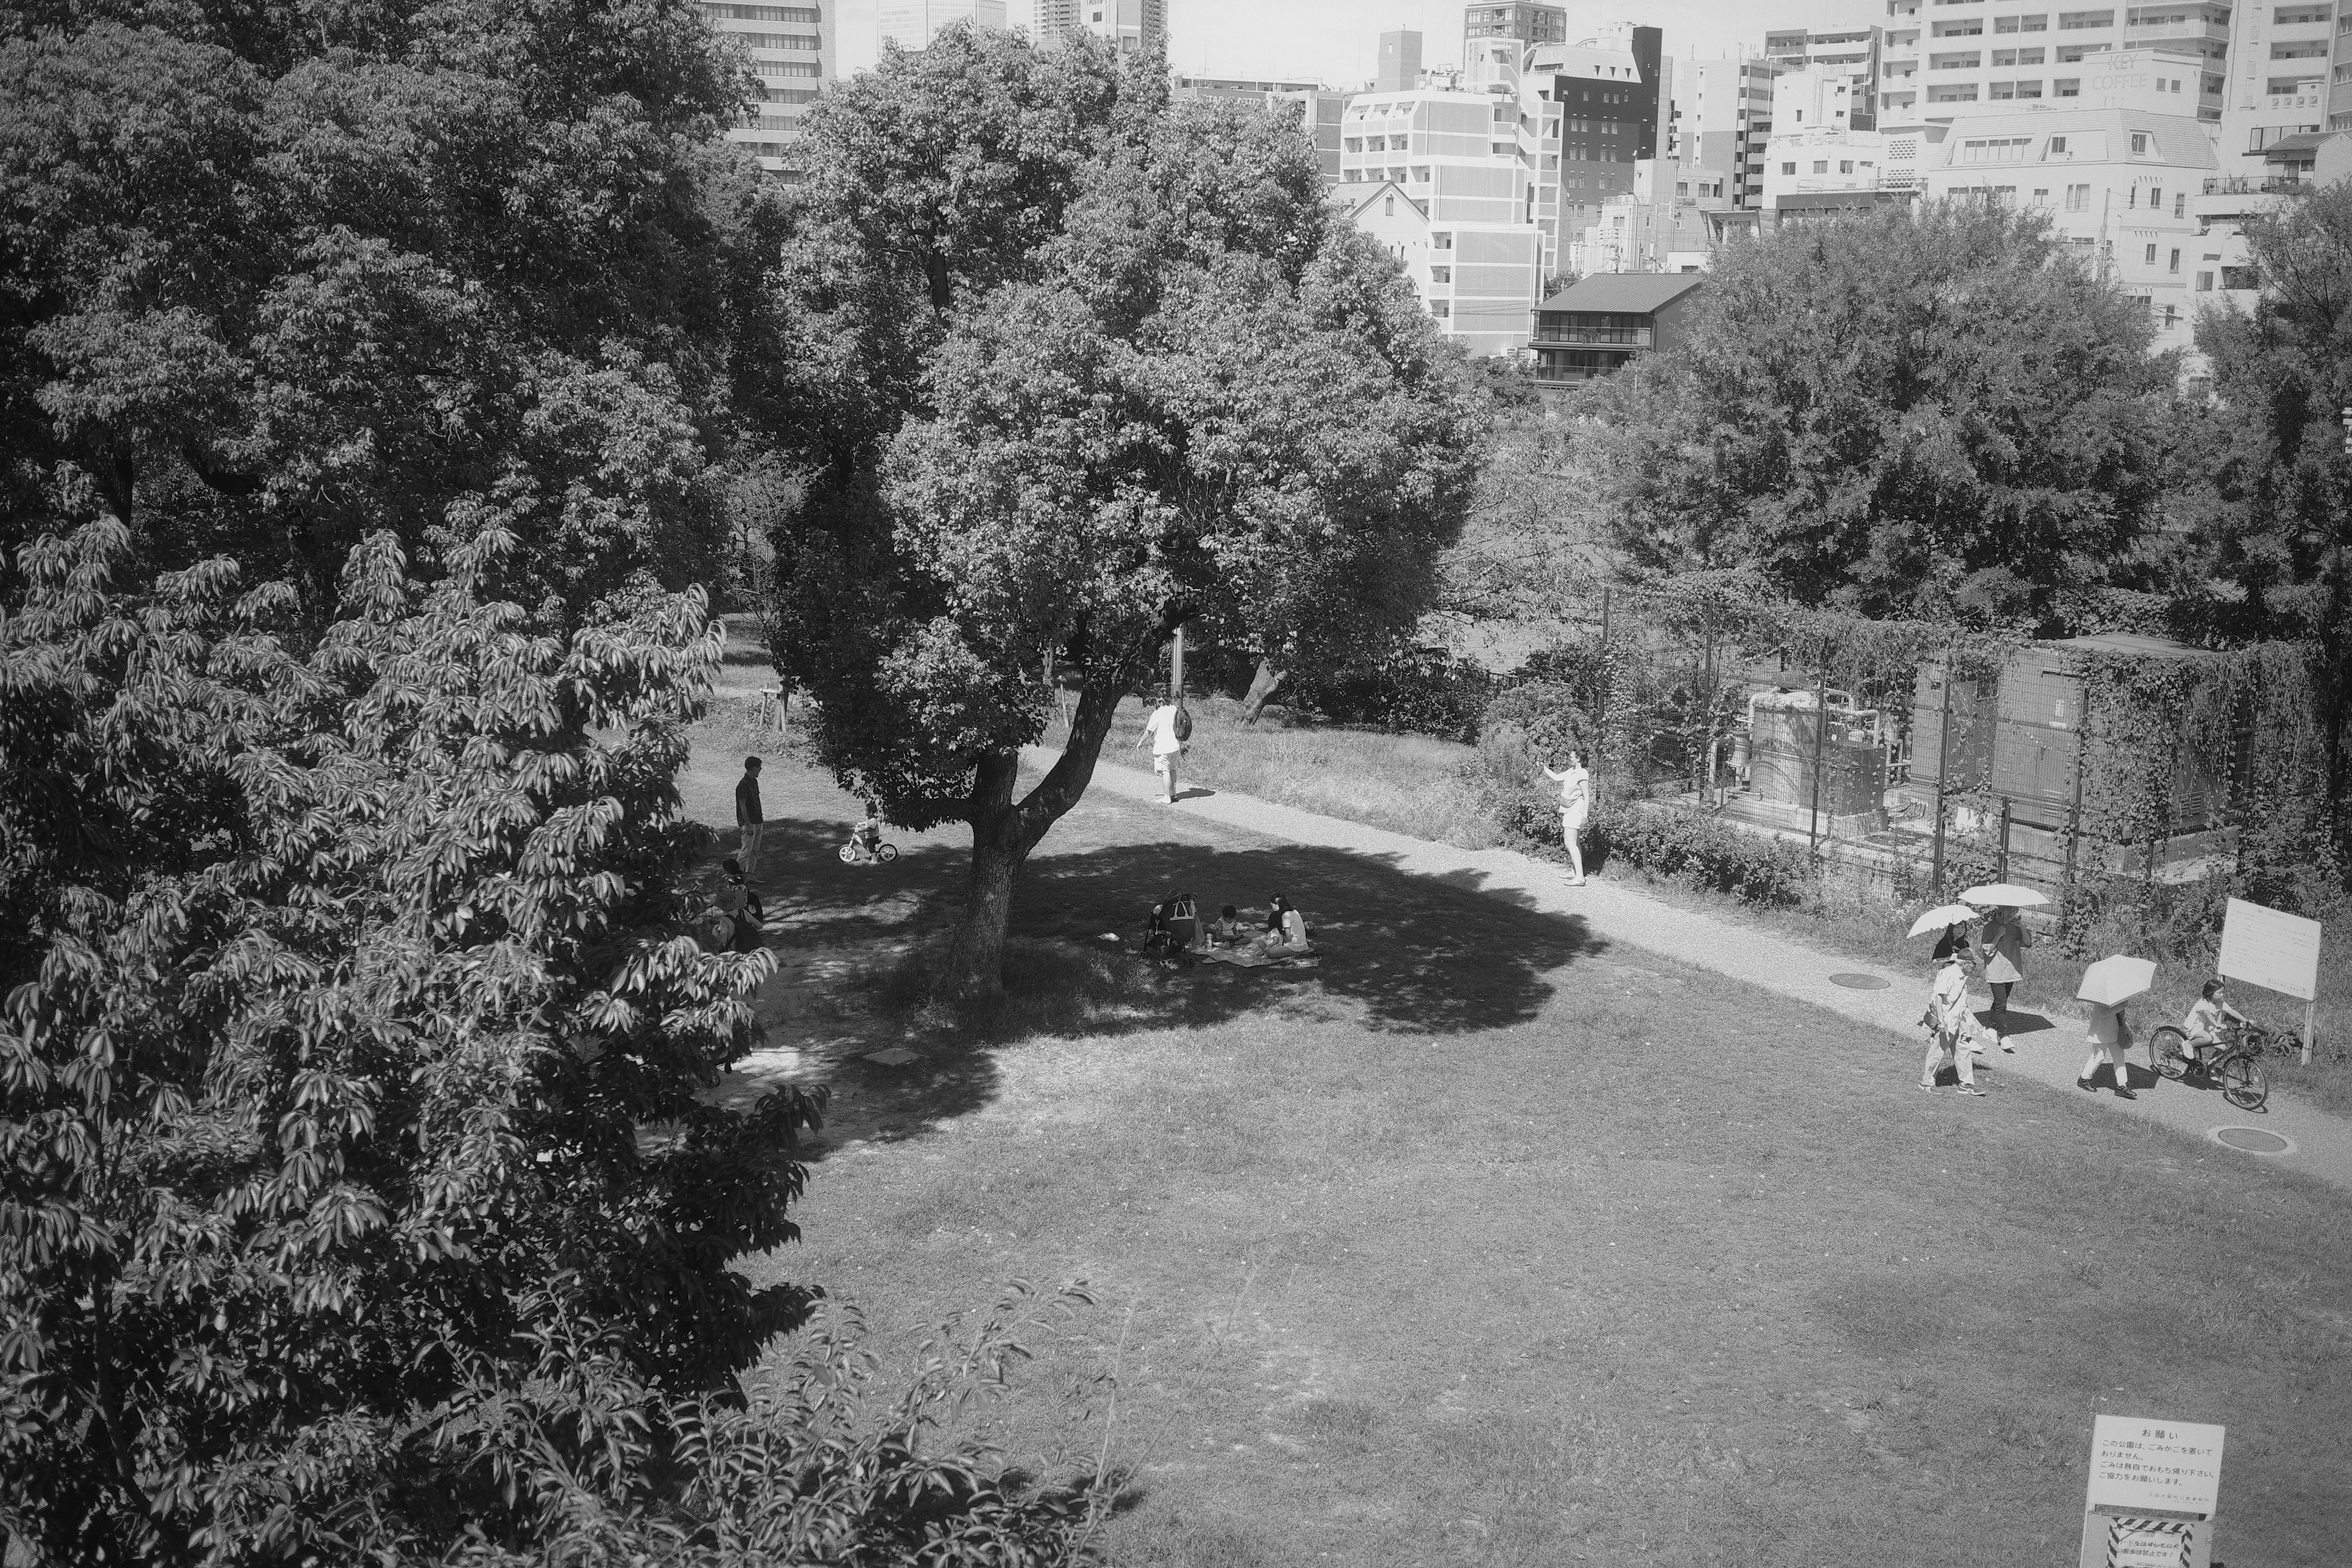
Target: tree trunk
point(1004, 832)
point(1262, 687)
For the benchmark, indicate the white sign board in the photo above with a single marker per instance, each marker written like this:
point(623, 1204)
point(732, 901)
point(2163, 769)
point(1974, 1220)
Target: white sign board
point(2277, 951)
point(2153, 1488)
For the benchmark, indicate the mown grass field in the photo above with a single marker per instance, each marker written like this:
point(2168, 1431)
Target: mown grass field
point(1490, 1242)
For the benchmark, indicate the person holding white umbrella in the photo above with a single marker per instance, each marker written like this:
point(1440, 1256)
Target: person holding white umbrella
point(2106, 986)
point(2005, 941)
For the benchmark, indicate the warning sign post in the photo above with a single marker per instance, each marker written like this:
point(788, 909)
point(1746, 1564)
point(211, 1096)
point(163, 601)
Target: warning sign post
point(2276, 950)
point(2153, 1489)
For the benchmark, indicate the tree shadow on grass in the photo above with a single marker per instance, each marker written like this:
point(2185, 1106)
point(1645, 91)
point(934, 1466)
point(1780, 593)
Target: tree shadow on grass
point(1397, 954)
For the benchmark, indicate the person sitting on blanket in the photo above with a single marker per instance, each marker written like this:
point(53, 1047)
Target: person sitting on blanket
point(1226, 930)
point(1286, 928)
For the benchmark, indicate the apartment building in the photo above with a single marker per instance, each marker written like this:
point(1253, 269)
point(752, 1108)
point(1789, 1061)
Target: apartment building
point(1445, 176)
point(1611, 97)
point(1814, 145)
point(2120, 185)
point(1316, 107)
point(1601, 323)
point(1136, 26)
point(1964, 57)
point(1722, 119)
point(913, 23)
point(1527, 23)
point(1853, 53)
point(793, 50)
point(2289, 73)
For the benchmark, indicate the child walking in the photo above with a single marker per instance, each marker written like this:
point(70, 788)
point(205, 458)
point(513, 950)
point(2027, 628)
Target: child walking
point(2108, 1036)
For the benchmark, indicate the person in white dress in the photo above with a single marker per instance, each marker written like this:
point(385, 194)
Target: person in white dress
point(1159, 730)
point(1948, 1023)
point(2005, 942)
point(1575, 804)
point(2109, 1037)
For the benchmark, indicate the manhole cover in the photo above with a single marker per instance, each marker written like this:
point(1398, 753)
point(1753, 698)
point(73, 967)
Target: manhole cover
point(2252, 1139)
point(896, 1057)
point(1859, 981)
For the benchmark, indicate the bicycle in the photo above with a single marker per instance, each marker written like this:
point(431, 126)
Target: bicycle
point(853, 853)
point(2236, 1071)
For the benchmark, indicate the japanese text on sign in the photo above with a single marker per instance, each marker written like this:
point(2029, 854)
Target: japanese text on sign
point(2173, 1466)
point(2267, 948)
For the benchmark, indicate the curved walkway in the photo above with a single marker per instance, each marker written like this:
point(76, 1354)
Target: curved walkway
point(2316, 1143)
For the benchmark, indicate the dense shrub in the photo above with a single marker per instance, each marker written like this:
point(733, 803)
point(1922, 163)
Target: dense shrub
point(1698, 848)
point(1424, 690)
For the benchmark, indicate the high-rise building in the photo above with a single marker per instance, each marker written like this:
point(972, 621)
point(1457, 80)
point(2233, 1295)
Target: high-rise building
point(1135, 27)
point(1851, 52)
point(1399, 62)
point(913, 23)
point(1615, 96)
point(1987, 56)
point(1528, 23)
point(1814, 145)
point(1316, 107)
point(2288, 73)
point(1725, 109)
point(791, 49)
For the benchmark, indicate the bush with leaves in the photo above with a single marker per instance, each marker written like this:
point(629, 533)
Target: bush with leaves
point(1702, 849)
point(342, 991)
point(1423, 690)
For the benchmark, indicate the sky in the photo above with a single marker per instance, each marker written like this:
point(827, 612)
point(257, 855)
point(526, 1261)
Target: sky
point(1337, 41)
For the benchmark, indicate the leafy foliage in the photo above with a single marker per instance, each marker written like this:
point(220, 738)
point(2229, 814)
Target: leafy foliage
point(435, 271)
point(1200, 398)
point(1932, 415)
point(342, 990)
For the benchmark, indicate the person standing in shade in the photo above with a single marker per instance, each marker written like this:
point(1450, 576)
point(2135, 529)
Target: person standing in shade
point(2005, 941)
point(748, 818)
point(1947, 1024)
point(1575, 802)
point(2109, 1037)
point(1165, 747)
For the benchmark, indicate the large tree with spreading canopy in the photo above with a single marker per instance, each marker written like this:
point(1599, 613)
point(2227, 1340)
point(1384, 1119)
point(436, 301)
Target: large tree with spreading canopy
point(1194, 395)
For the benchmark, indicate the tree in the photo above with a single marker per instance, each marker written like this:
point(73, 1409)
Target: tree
point(2272, 510)
point(271, 287)
point(342, 992)
point(1204, 400)
point(1938, 414)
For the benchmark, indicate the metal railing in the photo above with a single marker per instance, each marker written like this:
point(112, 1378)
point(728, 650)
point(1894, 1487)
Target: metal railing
point(2248, 185)
point(1616, 337)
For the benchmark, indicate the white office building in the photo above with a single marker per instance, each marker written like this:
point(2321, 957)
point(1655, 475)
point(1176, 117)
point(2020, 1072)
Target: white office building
point(1945, 59)
point(2289, 74)
point(1722, 121)
point(913, 23)
point(791, 49)
point(1317, 108)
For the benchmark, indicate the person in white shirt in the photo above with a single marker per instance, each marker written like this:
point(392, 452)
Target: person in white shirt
point(1575, 804)
point(1948, 1023)
point(1161, 731)
point(2207, 1016)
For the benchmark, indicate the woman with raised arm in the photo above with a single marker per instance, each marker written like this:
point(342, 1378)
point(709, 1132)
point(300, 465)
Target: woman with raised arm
point(1575, 803)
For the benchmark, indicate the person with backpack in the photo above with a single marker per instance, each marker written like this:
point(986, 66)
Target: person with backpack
point(1167, 730)
point(736, 919)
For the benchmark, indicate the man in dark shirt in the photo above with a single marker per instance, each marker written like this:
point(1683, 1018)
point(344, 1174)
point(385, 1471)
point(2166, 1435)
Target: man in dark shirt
point(747, 815)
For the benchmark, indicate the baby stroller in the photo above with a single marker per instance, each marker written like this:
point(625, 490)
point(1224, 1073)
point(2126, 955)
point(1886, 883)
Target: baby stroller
point(1174, 926)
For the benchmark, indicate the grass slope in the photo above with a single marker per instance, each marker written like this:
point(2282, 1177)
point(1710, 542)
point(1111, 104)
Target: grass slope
point(1490, 1243)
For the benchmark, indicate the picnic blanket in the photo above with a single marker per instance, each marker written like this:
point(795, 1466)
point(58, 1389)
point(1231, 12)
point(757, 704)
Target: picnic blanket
point(1250, 956)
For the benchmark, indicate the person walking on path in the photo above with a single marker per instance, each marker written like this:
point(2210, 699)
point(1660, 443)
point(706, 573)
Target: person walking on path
point(2005, 941)
point(1165, 747)
point(748, 818)
point(1575, 802)
point(2109, 1036)
point(1948, 1023)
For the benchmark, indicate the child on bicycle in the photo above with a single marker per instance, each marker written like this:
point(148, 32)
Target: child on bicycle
point(867, 835)
point(2207, 1017)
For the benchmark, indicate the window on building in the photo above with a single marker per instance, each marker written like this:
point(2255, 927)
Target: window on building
point(1440, 275)
point(2175, 267)
point(2180, 205)
point(1445, 241)
point(2029, 56)
point(2078, 198)
point(2156, 198)
point(2240, 278)
point(1440, 309)
point(2288, 86)
point(1389, 211)
point(2140, 142)
point(2066, 86)
point(1788, 168)
point(2172, 315)
point(1845, 165)
point(1821, 165)
point(2041, 194)
point(2204, 282)
point(2307, 50)
point(2295, 15)
point(2150, 258)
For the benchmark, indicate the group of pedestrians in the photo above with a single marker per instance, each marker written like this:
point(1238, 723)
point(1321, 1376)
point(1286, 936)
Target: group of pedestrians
point(1955, 1037)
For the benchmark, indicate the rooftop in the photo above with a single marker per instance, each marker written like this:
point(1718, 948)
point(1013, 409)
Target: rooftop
point(1635, 292)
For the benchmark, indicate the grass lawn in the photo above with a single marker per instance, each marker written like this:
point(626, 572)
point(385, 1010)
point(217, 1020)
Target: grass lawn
point(1487, 1242)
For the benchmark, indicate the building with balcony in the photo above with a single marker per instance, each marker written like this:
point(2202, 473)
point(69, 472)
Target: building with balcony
point(1524, 24)
point(913, 23)
point(2289, 73)
point(1852, 55)
point(791, 49)
point(1317, 109)
point(1133, 26)
point(1600, 324)
point(1611, 97)
point(1723, 112)
point(2117, 183)
point(1951, 59)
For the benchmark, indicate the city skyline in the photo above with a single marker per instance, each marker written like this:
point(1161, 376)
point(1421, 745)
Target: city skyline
point(1337, 41)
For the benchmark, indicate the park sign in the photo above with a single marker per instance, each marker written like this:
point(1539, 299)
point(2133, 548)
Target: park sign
point(2152, 1491)
point(2265, 947)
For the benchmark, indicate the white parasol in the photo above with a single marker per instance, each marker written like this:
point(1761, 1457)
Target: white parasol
point(2116, 980)
point(1941, 916)
point(2008, 893)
